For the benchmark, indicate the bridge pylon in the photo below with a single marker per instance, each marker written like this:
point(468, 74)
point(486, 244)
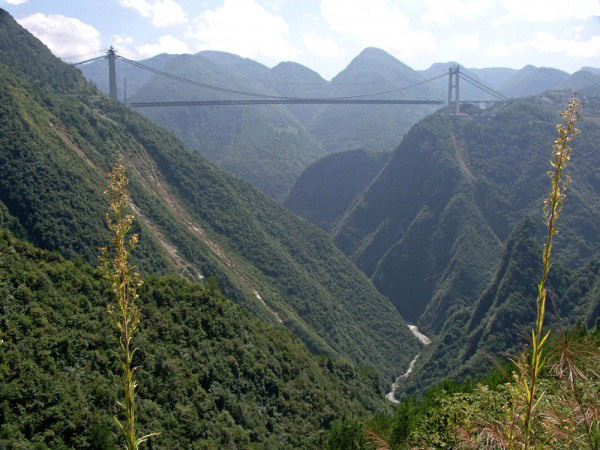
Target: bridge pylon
point(112, 72)
point(453, 88)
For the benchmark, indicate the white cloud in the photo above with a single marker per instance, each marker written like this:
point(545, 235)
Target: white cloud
point(162, 13)
point(545, 42)
point(123, 44)
point(245, 28)
point(122, 39)
point(165, 44)
point(63, 35)
point(322, 47)
point(498, 51)
point(16, 2)
point(442, 11)
point(376, 23)
point(548, 11)
point(466, 42)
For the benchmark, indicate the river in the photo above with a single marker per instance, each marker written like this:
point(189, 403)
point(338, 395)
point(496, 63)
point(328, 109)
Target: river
point(425, 341)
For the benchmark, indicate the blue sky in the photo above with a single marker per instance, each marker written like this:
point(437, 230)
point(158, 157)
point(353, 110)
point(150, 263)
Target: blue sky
point(326, 34)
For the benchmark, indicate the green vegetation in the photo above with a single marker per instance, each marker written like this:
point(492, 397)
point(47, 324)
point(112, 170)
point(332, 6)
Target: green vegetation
point(479, 412)
point(326, 188)
point(210, 375)
point(192, 218)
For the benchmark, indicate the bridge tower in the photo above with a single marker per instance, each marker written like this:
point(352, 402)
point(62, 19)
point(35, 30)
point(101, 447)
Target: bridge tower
point(453, 88)
point(112, 72)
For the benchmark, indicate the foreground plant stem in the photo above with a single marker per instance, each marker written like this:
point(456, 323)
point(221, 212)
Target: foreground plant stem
point(561, 155)
point(124, 282)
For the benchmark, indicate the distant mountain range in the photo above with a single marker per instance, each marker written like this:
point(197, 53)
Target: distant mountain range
point(270, 145)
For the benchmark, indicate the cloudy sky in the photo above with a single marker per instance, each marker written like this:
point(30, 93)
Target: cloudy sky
point(326, 34)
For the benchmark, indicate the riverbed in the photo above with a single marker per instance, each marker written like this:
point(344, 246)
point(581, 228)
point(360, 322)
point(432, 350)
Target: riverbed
point(425, 341)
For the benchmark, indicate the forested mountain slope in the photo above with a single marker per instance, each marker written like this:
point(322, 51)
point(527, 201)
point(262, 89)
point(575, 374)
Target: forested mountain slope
point(192, 217)
point(326, 188)
point(210, 376)
point(500, 321)
point(428, 230)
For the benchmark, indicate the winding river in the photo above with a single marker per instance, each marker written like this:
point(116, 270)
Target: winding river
point(425, 341)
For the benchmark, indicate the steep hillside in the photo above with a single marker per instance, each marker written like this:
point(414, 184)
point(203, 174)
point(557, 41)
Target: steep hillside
point(531, 80)
point(192, 217)
point(429, 228)
point(501, 319)
point(326, 188)
point(416, 231)
point(210, 375)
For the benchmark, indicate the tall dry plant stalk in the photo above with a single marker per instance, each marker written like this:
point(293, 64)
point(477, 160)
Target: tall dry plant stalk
point(124, 281)
point(561, 155)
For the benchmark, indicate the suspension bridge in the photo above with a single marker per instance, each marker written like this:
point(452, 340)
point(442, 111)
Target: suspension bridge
point(453, 102)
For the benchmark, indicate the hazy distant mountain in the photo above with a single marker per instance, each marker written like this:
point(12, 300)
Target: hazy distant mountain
point(271, 145)
point(583, 82)
point(327, 187)
point(494, 77)
point(378, 128)
point(594, 70)
point(291, 79)
point(531, 80)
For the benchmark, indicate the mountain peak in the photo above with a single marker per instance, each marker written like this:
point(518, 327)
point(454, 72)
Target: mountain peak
point(376, 63)
point(374, 55)
point(246, 66)
point(295, 71)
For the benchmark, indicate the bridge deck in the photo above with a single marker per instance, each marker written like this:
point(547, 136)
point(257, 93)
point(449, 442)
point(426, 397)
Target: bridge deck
point(299, 101)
